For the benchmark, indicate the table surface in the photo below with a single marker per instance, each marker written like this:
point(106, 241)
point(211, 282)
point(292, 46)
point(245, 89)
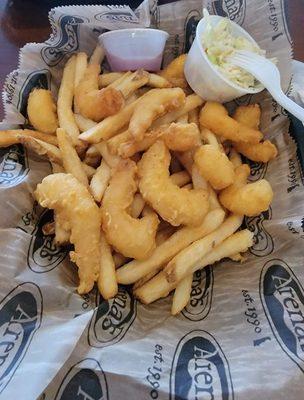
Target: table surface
point(23, 21)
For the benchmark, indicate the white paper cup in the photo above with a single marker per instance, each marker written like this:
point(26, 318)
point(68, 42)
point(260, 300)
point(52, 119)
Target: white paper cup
point(204, 79)
point(131, 49)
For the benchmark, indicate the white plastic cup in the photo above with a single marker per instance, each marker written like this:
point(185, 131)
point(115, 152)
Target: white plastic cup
point(131, 49)
point(203, 77)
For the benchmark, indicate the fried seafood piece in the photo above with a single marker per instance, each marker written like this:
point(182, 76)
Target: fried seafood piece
point(248, 115)
point(214, 116)
point(154, 104)
point(41, 111)
point(66, 195)
point(244, 198)
point(132, 237)
point(174, 72)
point(93, 103)
point(175, 205)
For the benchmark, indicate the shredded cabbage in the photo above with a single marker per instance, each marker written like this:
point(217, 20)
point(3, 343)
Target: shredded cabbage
point(219, 43)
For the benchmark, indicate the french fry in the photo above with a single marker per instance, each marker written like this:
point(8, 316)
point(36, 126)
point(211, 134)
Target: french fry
point(89, 171)
point(181, 178)
point(137, 205)
point(181, 265)
point(100, 180)
point(65, 101)
point(107, 284)
point(108, 78)
point(154, 80)
point(80, 67)
point(71, 162)
point(110, 159)
point(131, 82)
point(98, 55)
point(135, 270)
point(92, 157)
point(160, 287)
point(14, 136)
point(84, 123)
point(209, 137)
point(181, 295)
point(42, 148)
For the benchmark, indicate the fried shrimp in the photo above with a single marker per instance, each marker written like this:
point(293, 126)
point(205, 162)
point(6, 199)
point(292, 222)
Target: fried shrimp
point(93, 103)
point(175, 205)
point(214, 166)
point(41, 111)
point(244, 198)
point(214, 116)
point(151, 106)
point(248, 115)
point(132, 237)
point(63, 193)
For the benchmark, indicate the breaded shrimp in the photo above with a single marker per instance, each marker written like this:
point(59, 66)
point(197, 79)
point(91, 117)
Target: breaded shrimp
point(66, 195)
point(175, 205)
point(132, 237)
point(243, 198)
point(94, 103)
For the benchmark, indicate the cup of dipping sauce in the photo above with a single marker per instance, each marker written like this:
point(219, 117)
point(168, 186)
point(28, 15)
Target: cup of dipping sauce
point(131, 49)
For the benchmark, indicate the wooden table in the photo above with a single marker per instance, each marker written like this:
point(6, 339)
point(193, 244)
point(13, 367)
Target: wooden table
point(23, 21)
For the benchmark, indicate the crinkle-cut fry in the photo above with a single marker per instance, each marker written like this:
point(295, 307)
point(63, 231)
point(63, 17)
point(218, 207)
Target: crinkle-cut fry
point(14, 136)
point(65, 193)
point(100, 180)
point(84, 123)
point(154, 104)
point(259, 152)
point(181, 178)
point(97, 56)
point(209, 138)
point(183, 237)
point(174, 72)
point(181, 295)
point(214, 116)
point(41, 111)
point(111, 159)
point(193, 116)
point(107, 284)
point(130, 83)
point(214, 166)
point(235, 158)
point(94, 103)
point(159, 286)
point(92, 157)
point(62, 227)
point(132, 237)
point(191, 103)
point(248, 115)
point(177, 137)
point(119, 259)
point(248, 199)
point(175, 205)
point(42, 148)
point(89, 171)
point(48, 229)
point(137, 205)
point(80, 67)
point(65, 101)
point(181, 265)
point(70, 160)
point(110, 126)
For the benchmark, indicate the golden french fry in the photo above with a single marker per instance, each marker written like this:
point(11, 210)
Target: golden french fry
point(154, 104)
point(100, 180)
point(98, 55)
point(111, 159)
point(157, 81)
point(182, 238)
point(92, 157)
point(131, 82)
point(181, 295)
point(80, 67)
point(14, 136)
point(65, 101)
point(137, 205)
point(84, 123)
point(214, 116)
point(65, 193)
point(209, 138)
point(42, 148)
point(154, 80)
point(107, 284)
point(41, 111)
point(159, 286)
point(181, 178)
point(71, 162)
point(108, 78)
point(89, 171)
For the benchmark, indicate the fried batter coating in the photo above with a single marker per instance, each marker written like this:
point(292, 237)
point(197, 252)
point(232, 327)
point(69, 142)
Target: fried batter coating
point(248, 115)
point(154, 104)
point(132, 237)
point(174, 72)
point(260, 152)
point(63, 193)
point(243, 198)
point(214, 116)
point(41, 111)
point(214, 166)
point(175, 205)
point(93, 103)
